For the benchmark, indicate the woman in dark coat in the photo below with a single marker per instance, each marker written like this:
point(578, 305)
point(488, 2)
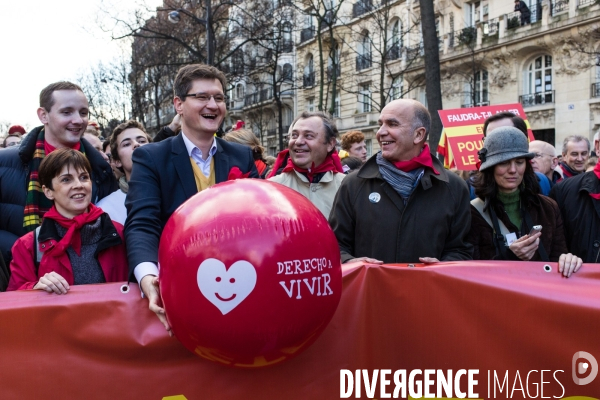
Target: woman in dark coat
point(508, 206)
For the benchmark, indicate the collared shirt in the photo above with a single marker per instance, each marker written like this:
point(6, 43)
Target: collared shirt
point(196, 154)
point(149, 268)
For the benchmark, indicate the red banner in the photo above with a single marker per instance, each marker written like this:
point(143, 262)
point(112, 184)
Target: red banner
point(463, 133)
point(513, 323)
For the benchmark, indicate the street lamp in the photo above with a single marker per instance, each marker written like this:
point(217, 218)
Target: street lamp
point(175, 16)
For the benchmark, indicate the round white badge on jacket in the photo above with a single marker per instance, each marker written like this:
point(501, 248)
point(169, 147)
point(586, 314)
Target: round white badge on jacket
point(374, 197)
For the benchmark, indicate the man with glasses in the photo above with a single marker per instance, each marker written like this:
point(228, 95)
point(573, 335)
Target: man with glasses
point(545, 160)
point(13, 139)
point(166, 174)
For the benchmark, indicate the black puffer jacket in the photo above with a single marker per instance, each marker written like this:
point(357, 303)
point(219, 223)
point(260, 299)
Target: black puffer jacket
point(14, 177)
point(580, 214)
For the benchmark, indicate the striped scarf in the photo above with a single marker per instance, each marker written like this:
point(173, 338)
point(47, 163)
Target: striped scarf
point(404, 183)
point(37, 203)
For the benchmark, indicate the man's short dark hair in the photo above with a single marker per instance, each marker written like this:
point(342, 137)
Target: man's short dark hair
point(190, 73)
point(517, 121)
point(17, 135)
point(114, 145)
point(54, 162)
point(46, 95)
point(331, 131)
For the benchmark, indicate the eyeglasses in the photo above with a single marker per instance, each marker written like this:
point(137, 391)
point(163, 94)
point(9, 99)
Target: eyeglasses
point(205, 97)
point(540, 155)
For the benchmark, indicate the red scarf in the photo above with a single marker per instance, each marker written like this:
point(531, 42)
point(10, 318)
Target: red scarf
point(332, 163)
point(422, 160)
point(597, 173)
point(72, 237)
point(260, 166)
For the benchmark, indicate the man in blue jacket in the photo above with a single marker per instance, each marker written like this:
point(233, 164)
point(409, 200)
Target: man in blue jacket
point(167, 173)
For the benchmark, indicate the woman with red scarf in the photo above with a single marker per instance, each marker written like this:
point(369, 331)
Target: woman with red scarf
point(78, 242)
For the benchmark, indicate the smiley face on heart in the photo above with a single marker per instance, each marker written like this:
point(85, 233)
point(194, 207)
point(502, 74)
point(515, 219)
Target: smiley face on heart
point(226, 288)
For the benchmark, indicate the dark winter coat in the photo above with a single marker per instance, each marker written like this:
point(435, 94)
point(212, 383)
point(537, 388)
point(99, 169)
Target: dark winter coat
point(434, 222)
point(14, 177)
point(543, 211)
point(581, 214)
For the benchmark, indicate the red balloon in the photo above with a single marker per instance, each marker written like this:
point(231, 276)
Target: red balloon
point(250, 273)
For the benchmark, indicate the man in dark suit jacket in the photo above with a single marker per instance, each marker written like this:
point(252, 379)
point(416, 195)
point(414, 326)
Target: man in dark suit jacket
point(166, 174)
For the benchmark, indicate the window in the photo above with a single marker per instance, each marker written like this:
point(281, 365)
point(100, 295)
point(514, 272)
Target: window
point(334, 58)
point(422, 96)
point(308, 21)
point(473, 13)
point(369, 145)
point(288, 72)
point(396, 41)
point(596, 84)
point(310, 105)
point(309, 72)
point(363, 60)
point(237, 63)
point(481, 88)
point(287, 44)
point(397, 88)
point(309, 30)
point(239, 91)
point(538, 82)
point(364, 98)
point(476, 91)
point(337, 107)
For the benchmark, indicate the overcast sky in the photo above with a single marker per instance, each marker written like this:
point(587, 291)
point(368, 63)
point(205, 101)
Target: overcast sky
point(43, 41)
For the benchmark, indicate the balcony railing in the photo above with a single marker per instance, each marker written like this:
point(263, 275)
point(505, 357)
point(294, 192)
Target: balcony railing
point(338, 72)
point(535, 99)
point(586, 3)
point(415, 51)
point(513, 20)
point(361, 7)
point(491, 27)
point(469, 105)
point(258, 97)
point(308, 80)
point(307, 34)
point(394, 52)
point(595, 90)
point(558, 6)
point(363, 61)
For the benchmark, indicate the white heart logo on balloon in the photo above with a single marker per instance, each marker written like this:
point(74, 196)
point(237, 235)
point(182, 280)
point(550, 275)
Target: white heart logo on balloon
point(226, 288)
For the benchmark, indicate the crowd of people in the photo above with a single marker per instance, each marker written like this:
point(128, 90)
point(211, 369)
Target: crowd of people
point(76, 210)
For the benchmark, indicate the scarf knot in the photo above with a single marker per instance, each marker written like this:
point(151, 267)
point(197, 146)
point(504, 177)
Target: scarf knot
point(332, 163)
point(73, 226)
point(422, 160)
